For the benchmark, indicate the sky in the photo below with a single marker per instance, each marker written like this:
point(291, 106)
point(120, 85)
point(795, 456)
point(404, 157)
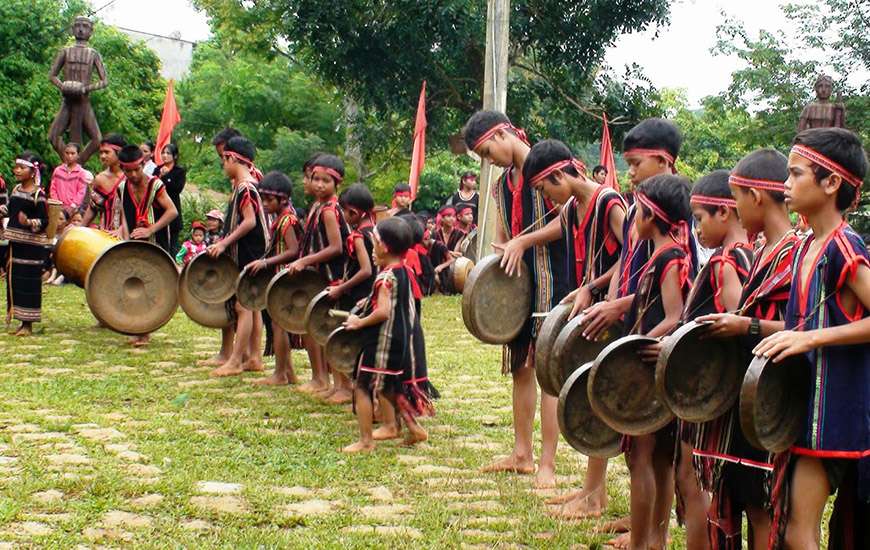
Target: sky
point(678, 58)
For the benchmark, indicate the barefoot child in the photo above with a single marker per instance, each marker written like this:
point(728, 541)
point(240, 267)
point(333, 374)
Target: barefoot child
point(591, 225)
point(192, 246)
point(827, 320)
point(392, 365)
point(357, 204)
point(286, 232)
point(245, 241)
point(733, 471)
point(25, 231)
point(492, 136)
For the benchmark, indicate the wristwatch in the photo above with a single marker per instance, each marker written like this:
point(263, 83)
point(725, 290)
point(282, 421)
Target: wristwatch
point(755, 326)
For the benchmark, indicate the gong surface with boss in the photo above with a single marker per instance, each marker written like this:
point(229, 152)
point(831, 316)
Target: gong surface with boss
point(571, 349)
point(342, 349)
point(201, 313)
point(288, 296)
point(495, 307)
point(547, 334)
point(251, 288)
point(212, 280)
point(319, 324)
point(580, 426)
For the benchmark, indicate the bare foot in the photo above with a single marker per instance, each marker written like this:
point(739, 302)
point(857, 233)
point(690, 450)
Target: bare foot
point(140, 341)
point(24, 331)
point(214, 361)
point(545, 478)
point(510, 464)
point(621, 525)
point(563, 498)
point(621, 542)
point(416, 434)
point(230, 368)
point(253, 365)
point(273, 380)
point(306, 387)
point(340, 397)
point(584, 506)
point(324, 393)
point(291, 377)
point(359, 447)
point(386, 432)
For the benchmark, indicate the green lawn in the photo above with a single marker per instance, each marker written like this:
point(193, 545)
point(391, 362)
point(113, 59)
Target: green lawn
point(101, 444)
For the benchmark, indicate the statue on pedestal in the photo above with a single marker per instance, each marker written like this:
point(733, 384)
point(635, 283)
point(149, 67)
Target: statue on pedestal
point(76, 115)
point(823, 113)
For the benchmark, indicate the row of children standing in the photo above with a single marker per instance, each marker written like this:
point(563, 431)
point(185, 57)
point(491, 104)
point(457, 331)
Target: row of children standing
point(780, 293)
point(366, 267)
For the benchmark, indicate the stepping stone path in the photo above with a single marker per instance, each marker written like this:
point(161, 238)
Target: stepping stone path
point(225, 504)
point(218, 488)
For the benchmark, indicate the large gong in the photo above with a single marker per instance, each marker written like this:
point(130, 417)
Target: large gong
point(288, 296)
point(495, 307)
point(579, 424)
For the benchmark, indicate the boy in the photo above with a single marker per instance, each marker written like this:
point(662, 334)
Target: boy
point(492, 136)
point(69, 181)
point(194, 246)
point(286, 233)
point(464, 224)
point(138, 198)
point(733, 471)
point(401, 200)
point(214, 223)
point(826, 168)
point(357, 204)
point(245, 240)
point(599, 174)
point(591, 226)
point(101, 204)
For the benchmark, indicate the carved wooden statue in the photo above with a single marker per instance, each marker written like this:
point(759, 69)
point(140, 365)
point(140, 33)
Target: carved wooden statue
point(823, 113)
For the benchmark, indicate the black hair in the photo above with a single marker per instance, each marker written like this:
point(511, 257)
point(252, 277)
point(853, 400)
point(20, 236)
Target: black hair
point(714, 184)
point(480, 123)
point(173, 150)
point(276, 183)
point(225, 136)
point(149, 143)
point(310, 162)
point(114, 139)
point(424, 216)
point(844, 148)
point(396, 234)
point(241, 146)
point(599, 168)
point(417, 228)
point(654, 133)
point(764, 164)
point(671, 194)
point(197, 228)
point(401, 187)
point(357, 196)
point(468, 174)
point(544, 154)
point(73, 144)
point(330, 161)
point(130, 153)
point(35, 159)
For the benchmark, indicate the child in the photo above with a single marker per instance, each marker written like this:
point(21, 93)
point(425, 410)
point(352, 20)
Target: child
point(467, 194)
point(51, 275)
point(101, 205)
point(492, 136)
point(591, 225)
point(25, 231)
point(464, 224)
point(194, 245)
point(286, 232)
point(446, 232)
point(323, 248)
point(214, 224)
point(733, 470)
point(245, 240)
point(69, 181)
point(401, 200)
point(392, 365)
point(826, 167)
point(357, 204)
point(662, 218)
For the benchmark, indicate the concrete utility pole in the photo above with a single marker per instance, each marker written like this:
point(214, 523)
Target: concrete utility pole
point(495, 99)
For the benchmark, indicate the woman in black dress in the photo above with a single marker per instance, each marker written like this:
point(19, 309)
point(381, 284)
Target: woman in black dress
point(173, 177)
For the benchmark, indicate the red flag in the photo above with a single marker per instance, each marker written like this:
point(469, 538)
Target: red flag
point(167, 122)
point(418, 154)
point(607, 160)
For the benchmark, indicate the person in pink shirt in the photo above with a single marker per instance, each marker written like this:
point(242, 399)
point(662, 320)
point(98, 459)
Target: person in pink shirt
point(69, 181)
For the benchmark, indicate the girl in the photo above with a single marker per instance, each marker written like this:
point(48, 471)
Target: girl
point(174, 178)
point(194, 245)
point(28, 217)
point(392, 365)
point(214, 224)
point(467, 194)
point(357, 204)
point(276, 189)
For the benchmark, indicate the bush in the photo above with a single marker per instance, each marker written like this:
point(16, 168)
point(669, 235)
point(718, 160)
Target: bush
point(194, 207)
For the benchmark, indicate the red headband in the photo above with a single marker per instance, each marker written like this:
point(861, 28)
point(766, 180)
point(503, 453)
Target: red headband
point(546, 172)
point(111, 146)
point(679, 230)
point(273, 193)
point(328, 171)
point(447, 211)
point(239, 157)
point(520, 133)
point(707, 200)
point(651, 153)
point(828, 164)
point(132, 164)
point(402, 194)
point(657, 212)
point(465, 208)
point(767, 185)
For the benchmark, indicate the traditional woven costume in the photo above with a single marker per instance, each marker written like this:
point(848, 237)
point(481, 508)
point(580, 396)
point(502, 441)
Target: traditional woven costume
point(363, 232)
point(284, 222)
point(26, 256)
point(103, 206)
point(315, 239)
point(141, 213)
point(252, 245)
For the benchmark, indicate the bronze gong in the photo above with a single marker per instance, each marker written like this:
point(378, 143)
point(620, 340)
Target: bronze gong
point(579, 424)
point(288, 296)
point(342, 349)
point(571, 349)
point(622, 389)
point(773, 402)
point(495, 307)
point(251, 289)
point(132, 287)
point(201, 313)
point(212, 280)
point(318, 322)
point(550, 328)
point(699, 379)
point(459, 271)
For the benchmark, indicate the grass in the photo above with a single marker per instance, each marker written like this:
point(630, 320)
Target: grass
point(175, 427)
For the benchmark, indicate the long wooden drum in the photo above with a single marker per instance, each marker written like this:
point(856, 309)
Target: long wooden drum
point(212, 280)
point(131, 286)
point(288, 296)
point(55, 210)
point(773, 402)
point(699, 378)
point(495, 307)
point(201, 313)
point(579, 424)
point(622, 389)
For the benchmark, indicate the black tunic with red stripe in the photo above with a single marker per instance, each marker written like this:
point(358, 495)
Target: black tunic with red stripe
point(647, 308)
point(315, 239)
point(591, 246)
point(705, 297)
point(352, 266)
